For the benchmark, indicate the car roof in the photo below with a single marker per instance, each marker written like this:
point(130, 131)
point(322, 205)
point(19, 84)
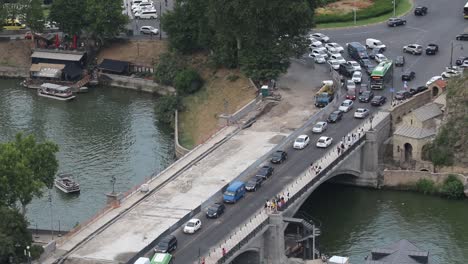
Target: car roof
point(324, 138)
point(193, 220)
point(361, 109)
point(336, 112)
point(347, 101)
point(167, 238)
point(321, 123)
point(302, 136)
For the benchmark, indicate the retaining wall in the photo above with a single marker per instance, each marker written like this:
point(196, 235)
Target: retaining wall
point(404, 107)
point(138, 84)
point(13, 72)
point(179, 149)
point(246, 109)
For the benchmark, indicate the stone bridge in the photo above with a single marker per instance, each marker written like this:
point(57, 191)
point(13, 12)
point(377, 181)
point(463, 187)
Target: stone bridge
point(261, 238)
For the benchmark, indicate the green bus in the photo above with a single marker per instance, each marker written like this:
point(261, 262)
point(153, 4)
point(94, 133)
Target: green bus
point(381, 75)
point(162, 258)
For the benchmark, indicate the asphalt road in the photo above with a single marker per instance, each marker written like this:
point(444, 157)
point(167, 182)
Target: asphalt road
point(441, 25)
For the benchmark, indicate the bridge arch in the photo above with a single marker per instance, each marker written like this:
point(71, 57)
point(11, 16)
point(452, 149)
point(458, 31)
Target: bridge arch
point(247, 256)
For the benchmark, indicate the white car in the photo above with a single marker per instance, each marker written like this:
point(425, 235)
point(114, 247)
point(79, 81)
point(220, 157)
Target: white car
point(355, 64)
point(450, 73)
point(361, 113)
point(317, 52)
point(140, 5)
point(320, 59)
point(315, 41)
point(324, 142)
point(146, 14)
point(433, 79)
point(192, 226)
point(319, 127)
point(149, 30)
point(337, 57)
point(320, 36)
point(380, 57)
point(464, 64)
point(350, 84)
point(301, 142)
point(357, 77)
point(334, 64)
point(316, 45)
point(346, 105)
point(454, 68)
point(334, 47)
point(51, 25)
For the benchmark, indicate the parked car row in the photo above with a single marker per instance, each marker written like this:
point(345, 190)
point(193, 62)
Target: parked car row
point(143, 9)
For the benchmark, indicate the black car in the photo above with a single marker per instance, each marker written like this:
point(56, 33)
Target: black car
point(420, 11)
point(460, 60)
point(265, 171)
point(279, 156)
point(378, 100)
point(402, 95)
point(366, 96)
point(346, 69)
point(375, 51)
point(215, 210)
point(367, 64)
point(393, 22)
point(166, 245)
point(399, 61)
point(335, 117)
point(416, 90)
point(253, 184)
point(408, 76)
point(463, 36)
point(432, 49)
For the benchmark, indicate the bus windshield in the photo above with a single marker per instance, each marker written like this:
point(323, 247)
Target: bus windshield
point(465, 10)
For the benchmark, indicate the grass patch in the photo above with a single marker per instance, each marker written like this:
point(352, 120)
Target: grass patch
point(402, 8)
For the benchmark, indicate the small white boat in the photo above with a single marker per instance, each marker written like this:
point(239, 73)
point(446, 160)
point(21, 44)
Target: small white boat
point(66, 184)
point(55, 91)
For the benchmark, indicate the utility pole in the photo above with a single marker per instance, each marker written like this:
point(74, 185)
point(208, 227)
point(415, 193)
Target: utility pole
point(394, 8)
point(451, 51)
point(354, 11)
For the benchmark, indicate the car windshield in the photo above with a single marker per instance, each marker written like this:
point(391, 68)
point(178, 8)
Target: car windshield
point(376, 98)
point(228, 193)
point(345, 103)
point(190, 224)
point(318, 126)
point(357, 74)
point(300, 140)
point(333, 115)
point(277, 155)
point(163, 244)
point(366, 93)
point(321, 140)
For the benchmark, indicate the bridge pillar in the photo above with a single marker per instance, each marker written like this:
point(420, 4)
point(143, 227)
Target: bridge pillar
point(274, 241)
point(370, 161)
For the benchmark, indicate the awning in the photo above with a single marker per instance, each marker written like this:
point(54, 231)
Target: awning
point(73, 71)
point(57, 56)
point(114, 66)
point(38, 66)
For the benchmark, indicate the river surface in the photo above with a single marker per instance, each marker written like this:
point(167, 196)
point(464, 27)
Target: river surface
point(106, 132)
point(355, 220)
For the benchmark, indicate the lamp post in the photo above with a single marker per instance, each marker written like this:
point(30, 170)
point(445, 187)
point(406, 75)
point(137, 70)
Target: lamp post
point(451, 51)
point(394, 8)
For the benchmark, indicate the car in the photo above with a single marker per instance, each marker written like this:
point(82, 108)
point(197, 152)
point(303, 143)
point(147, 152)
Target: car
point(460, 60)
point(402, 95)
point(149, 30)
point(408, 75)
point(301, 142)
point(366, 96)
point(215, 210)
point(337, 57)
point(319, 127)
point(316, 45)
point(378, 100)
point(346, 105)
point(464, 64)
point(368, 65)
point(279, 156)
point(320, 36)
point(450, 73)
point(375, 43)
point(146, 14)
point(432, 49)
point(335, 117)
point(346, 69)
point(400, 61)
point(319, 59)
point(393, 22)
point(192, 226)
point(51, 25)
point(463, 36)
point(266, 171)
point(361, 113)
point(414, 49)
point(355, 65)
point(350, 84)
point(166, 245)
point(373, 52)
point(315, 42)
point(420, 11)
point(433, 79)
point(335, 65)
point(334, 47)
point(253, 184)
point(318, 52)
point(351, 94)
point(380, 57)
point(141, 5)
point(357, 77)
point(324, 142)
point(418, 89)
point(453, 68)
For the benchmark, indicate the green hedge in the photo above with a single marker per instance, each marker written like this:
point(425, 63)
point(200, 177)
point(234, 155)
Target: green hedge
point(380, 7)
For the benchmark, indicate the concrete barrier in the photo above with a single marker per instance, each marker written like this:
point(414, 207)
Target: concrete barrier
point(138, 84)
point(13, 72)
point(402, 178)
point(179, 149)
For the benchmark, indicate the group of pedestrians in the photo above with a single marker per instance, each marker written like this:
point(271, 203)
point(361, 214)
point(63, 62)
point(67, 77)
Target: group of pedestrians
point(276, 202)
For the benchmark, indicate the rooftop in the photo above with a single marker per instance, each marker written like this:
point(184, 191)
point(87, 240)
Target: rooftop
point(427, 112)
point(401, 252)
point(57, 56)
point(414, 132)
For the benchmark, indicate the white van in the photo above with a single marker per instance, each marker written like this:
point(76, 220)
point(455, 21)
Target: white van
point(375, 44)
point(147, 14)
point(142, 261)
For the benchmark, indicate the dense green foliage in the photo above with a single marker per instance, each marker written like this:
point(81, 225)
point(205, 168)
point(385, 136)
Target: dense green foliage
point(165, 108)
point(258, 36)
point(34, 17)
point(14, 235)
point(452, 188)
point(379, 7)
point(187, 81)
point(426, 186)
point(440, 151)
point(168, 67)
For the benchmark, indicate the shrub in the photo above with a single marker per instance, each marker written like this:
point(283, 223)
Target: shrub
point(187, 82)
point(168, 67)
point(232, 77)
point(166, 107)
point(452, 188)
point(36, 251)
point(426, 186)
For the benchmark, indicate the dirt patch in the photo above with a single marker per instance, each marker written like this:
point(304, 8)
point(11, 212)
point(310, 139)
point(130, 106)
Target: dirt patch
point(143, 52)
point(343, 6)
point(15, 53)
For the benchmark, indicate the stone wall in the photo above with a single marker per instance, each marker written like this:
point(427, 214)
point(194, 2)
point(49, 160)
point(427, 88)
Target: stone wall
point(13, 72)
point(401, 178)
point(405, 107)
point(138, 84)
point(246, 109)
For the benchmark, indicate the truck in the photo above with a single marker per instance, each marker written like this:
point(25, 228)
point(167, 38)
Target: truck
point(325, 95)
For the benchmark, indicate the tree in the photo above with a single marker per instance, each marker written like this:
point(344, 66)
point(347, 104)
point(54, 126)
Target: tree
point(26, 167)
point(166, 107)
point(188, 81)
point(68, 14)
point(14, 234)
point(34, 17)
point(104, 18)
point(168, 67)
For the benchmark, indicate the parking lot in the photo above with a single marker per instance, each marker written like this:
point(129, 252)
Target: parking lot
point(135, 24)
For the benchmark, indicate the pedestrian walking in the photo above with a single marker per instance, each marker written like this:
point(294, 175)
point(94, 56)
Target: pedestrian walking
point(338, 149)
point(224, 251)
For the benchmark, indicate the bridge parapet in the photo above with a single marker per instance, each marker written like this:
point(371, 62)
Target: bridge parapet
point(229, 247)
